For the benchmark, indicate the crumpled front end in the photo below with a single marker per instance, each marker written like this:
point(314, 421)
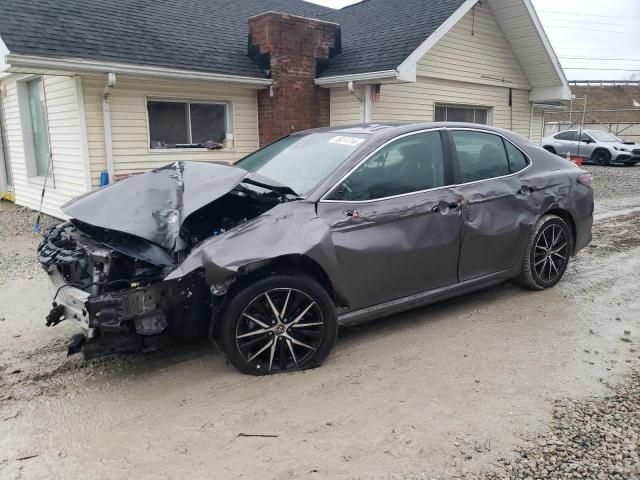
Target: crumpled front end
point(112, 286)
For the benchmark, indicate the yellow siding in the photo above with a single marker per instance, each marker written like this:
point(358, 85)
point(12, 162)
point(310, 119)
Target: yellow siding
point(475, 51)
point(525, 41)
point(131, 151)
point(415, 102)
point(66, 146)
point(537, 128)
point(455, 72)
point(345, 106)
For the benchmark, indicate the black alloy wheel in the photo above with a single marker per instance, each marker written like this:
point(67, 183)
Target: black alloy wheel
point(548, 253)
point(601, 157)
point(279, 324)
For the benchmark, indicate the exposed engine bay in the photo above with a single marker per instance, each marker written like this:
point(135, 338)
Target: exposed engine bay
point(112, 282)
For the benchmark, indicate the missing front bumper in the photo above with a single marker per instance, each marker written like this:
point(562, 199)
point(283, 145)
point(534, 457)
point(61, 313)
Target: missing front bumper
point(136, 319)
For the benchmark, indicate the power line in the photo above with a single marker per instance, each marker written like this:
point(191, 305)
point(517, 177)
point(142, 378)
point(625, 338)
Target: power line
point(604, 69)
point(571, 14)
point(581, 22)
point(601, 59)
point(580, 29)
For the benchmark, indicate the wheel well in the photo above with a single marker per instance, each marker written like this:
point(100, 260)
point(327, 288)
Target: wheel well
point(549, 149)
point(288, 264)
point(566, 216)
point(600, 149)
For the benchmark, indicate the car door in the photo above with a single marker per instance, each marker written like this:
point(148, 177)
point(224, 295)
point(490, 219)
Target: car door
point(586, 146)
point(394, 222)
point(564, 142)
point(495, 231)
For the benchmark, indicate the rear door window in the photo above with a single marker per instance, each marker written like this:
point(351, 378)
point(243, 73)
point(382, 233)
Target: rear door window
point(517, 160)
point(569, 136)
point(480, 155)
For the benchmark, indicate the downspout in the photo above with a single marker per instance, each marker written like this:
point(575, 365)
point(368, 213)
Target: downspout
point(106, 121)
point(365, 114)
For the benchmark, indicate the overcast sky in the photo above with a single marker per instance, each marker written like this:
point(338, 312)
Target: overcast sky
point(595, 39)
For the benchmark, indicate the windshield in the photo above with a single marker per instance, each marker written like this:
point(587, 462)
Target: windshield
point(604, 137)
point(302, 161)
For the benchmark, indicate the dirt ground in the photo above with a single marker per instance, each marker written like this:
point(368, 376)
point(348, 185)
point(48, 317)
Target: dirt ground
point(450, 390)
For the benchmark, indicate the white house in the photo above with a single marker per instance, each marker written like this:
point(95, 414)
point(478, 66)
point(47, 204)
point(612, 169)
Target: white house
point(89, 88)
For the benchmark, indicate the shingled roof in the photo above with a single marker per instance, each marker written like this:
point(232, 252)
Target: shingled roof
point(198, 35)
point(211, 35)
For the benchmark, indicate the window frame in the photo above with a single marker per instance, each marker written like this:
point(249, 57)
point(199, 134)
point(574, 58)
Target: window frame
point(446, 158)
point(26, 130)
point(451, 164)
point(229, 120)
point(489, 111)
point(456, 161)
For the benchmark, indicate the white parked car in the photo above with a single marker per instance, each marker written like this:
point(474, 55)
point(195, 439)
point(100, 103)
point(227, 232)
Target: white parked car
point(596, 146)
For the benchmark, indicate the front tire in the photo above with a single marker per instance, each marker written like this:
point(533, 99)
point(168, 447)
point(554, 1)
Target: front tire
point(601, 157)
point(547, 255)
point(280, 323)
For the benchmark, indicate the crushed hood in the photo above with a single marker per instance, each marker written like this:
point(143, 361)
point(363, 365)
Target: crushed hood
point(154, 205)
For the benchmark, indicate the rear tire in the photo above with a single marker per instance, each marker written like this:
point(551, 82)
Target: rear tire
point(259, 339)
point(601, 157)
point(547, 255)
point(550, 149)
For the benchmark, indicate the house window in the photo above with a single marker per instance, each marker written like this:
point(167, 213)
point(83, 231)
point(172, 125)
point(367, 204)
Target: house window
point(174, 124)
point(37, 130)
point(445, 113)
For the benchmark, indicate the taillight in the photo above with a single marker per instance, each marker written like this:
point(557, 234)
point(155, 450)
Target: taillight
point(586, 179)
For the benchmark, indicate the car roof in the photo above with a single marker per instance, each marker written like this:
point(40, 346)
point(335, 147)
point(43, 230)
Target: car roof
point(391, 129)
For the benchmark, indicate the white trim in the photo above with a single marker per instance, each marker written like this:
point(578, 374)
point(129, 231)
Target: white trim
point(367, 105)
point(359, 77)
point(531, 122)
point(4, 52)
point(540, 94)
point(549, 49)
point(408, 68)
point(84, 142)
point(18, 62)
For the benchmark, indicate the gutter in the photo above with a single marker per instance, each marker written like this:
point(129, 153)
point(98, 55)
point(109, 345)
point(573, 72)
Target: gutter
point(360, 77)
point(106, 120)
point(21, 62)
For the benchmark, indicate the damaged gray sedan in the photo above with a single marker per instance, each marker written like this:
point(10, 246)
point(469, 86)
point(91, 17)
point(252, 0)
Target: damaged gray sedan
point(322, 228)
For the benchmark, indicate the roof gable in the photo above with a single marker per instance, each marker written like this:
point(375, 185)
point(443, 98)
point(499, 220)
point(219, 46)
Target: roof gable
point(378, 35)
point(476, 51)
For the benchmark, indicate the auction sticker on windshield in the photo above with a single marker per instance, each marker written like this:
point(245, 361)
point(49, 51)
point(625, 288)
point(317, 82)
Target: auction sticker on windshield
point(351, 141)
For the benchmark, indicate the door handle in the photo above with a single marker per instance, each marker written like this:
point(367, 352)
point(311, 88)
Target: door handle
point(444, 207)
point(353, 213)
point(527, 189)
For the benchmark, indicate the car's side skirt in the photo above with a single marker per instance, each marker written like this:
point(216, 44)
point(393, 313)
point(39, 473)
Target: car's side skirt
point(424, 298)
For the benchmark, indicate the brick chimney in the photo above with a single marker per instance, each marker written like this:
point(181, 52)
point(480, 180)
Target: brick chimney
point(293, 51)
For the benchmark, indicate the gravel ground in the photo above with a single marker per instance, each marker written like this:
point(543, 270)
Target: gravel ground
point(448, 390)
point(614, 182)
point(595, 438)
point(18, 242)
